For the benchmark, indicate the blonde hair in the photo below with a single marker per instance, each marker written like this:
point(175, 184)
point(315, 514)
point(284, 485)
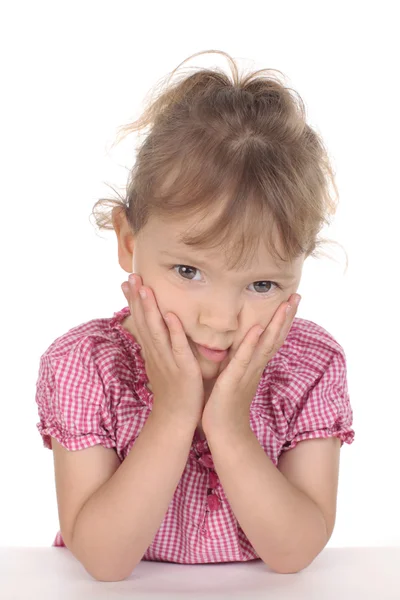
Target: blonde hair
point(242, 145)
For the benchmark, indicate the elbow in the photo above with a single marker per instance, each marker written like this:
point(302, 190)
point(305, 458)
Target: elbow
point(291, 565)
point(302, 557)
point(106, 578)
point(109, 576)
point(104, 570)
point(286, 570)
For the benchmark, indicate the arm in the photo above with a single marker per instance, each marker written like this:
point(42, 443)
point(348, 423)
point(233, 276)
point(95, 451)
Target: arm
point(117, 524)
point(285, 526)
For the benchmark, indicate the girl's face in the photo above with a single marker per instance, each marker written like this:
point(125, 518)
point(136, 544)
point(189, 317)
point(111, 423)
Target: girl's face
point(216, 307)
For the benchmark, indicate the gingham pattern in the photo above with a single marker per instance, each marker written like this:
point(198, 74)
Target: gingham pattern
point(91, 389)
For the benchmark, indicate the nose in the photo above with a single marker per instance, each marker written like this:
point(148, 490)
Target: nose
point(220, 315)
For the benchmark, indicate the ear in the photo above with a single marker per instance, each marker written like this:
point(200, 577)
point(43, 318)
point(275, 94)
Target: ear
point(124, 238)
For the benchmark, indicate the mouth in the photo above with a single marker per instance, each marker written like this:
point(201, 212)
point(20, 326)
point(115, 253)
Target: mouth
point(212, 354)
point(212, 348)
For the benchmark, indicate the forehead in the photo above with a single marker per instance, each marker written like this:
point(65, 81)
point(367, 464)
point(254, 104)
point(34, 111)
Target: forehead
point(165, 238)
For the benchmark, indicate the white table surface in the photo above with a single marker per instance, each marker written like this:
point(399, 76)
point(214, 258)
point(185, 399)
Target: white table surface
point(337, 573)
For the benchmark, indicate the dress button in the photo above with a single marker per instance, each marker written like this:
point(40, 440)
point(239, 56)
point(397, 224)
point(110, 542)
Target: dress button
point(213, 479)
point(213, 502)
point(199, 447)
point(207, 461)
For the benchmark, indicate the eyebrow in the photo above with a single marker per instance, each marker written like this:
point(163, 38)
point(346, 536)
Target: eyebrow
point(189, 261)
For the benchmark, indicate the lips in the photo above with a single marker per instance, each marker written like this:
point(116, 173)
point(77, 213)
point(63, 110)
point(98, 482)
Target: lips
point(212, 355)
point(211, 347)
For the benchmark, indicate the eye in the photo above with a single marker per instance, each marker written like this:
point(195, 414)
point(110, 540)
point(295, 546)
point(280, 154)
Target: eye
point(187, 268)
point(263, 290)
point(184, 270)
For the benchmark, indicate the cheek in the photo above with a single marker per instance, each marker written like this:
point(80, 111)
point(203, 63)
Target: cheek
point(169, 302)
point(264, 315)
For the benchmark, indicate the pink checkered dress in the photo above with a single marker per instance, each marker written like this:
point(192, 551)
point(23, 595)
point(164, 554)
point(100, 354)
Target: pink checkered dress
point(91, 389)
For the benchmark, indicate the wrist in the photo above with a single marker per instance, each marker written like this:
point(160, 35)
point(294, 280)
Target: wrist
point(177, 423)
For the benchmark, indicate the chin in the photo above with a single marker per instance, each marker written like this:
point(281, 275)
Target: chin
point(211, 370)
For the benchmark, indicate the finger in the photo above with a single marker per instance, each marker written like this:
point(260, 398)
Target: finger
point(135, 305)
point(168, 339)
point(131, 294)
point(244, 354)
point(179, 342)
point(168, 336)
point(289, 314)
point(276, 332)
point(125, 290)
point(157, 329)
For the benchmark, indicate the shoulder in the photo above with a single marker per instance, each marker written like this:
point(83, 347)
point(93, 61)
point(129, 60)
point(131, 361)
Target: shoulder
point(303, 393)
point(307, 337)
point(307, 351)
point(88, 379)
point(311, 364)
point(96, 355)
point(101, 341)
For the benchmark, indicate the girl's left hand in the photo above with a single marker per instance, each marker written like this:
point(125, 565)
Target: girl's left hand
point(233, 392)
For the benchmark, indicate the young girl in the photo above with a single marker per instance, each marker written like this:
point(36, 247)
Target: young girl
point(203, 422)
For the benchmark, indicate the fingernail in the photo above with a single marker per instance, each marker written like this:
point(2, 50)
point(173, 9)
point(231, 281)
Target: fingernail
point(132, 279)
point(125, 288)
point(297, 300)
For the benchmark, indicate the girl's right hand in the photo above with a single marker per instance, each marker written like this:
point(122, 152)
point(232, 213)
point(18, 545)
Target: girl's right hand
point(171, 367)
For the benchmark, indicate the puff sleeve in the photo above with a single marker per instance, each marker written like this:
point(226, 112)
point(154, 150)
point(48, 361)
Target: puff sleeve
point(323, 408)
point(72, 402)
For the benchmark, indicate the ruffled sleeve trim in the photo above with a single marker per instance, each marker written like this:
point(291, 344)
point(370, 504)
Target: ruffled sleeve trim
point(115, 323)
point(303, 393)
point(76, 389)
point(133, 347)
point(344, 436)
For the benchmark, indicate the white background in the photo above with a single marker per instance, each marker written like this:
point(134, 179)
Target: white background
point(71, 74)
